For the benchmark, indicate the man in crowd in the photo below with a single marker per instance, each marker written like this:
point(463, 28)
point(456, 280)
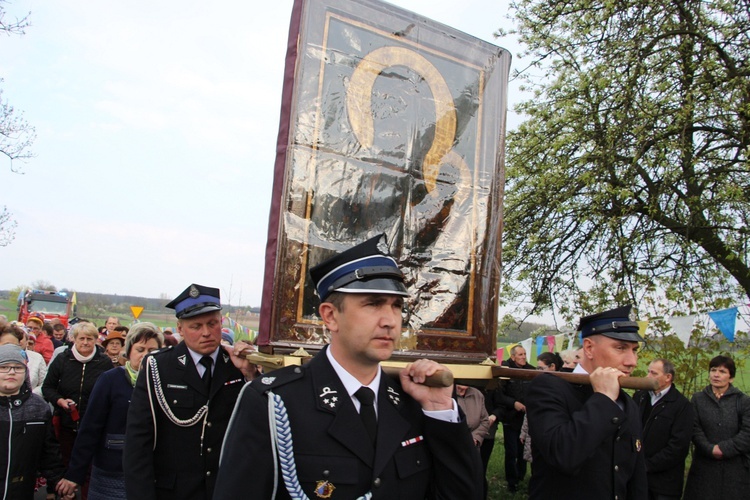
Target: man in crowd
point(587, 438)
point(352, 430)
point(181, 405)
point(512, 398)
point(667, 417)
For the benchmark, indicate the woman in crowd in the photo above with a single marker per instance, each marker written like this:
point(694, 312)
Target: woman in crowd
point(548, 362)
point(102, 432)
point(70, 380)
point(471, 401)
point(721, 458)
point(37, 366)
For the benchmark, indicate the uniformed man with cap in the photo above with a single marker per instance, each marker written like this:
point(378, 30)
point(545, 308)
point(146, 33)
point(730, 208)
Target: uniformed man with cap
point(587, 438)
point(338, 427)
point(181, 405)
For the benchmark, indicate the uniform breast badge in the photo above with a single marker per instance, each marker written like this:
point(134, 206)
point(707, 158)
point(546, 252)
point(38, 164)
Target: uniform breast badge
point(324, 489)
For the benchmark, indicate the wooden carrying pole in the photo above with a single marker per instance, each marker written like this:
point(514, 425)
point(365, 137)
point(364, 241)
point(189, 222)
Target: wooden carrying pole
point(637, 383)
point(441, 378)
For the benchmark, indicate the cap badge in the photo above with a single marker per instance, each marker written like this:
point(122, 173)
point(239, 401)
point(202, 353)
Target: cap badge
point(182, 359)
point(329, 399)
point(267, 380)
point(383, 246)
point(324, 489)
point(194, 293)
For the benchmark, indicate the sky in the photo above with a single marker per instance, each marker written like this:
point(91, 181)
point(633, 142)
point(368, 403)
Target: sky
point(156, 128)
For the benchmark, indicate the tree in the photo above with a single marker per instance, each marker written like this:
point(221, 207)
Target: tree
point(630, 174)
point(16, 135)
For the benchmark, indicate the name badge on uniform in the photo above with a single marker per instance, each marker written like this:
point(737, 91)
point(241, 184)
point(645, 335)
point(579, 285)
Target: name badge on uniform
point(175, 386)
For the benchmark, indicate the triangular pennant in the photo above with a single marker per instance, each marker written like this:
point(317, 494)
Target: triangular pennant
point(526, 344)
point(726, 321)
point(540, 341)
point(551, 343)
point(682, 326)
point(642, 326)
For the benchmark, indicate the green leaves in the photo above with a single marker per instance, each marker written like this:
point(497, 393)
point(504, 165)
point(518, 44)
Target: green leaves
point(631, 170)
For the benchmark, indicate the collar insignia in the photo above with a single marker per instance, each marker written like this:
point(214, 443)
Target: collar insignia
point(394, 396)
point(182, 359)
point(226, 358)
point(329, 399)
point(324, 489)
point(267, 380)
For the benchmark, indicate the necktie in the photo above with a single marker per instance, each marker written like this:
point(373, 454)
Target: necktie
point(207, 362)
point(367, 411)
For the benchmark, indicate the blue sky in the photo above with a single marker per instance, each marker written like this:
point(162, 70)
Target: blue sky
point(156, 129)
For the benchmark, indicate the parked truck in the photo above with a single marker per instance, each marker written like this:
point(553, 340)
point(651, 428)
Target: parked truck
point(53, 305)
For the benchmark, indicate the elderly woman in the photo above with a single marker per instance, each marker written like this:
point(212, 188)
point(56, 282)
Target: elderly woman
point(721, 435)
point(70, 380)
point(102, 432)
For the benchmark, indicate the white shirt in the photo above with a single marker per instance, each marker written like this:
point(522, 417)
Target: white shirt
point(197, 360)
point(352, 385)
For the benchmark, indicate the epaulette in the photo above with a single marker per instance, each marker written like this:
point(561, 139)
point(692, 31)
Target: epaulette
point(164, 349)
point(277, 378)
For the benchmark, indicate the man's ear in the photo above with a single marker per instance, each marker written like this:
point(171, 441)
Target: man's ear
point(328, 313)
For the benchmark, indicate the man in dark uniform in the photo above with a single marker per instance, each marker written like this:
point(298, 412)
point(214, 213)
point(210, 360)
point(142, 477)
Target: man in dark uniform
point(181, 405)
point(667, 418)
point(512, 398)
point(341, 428)
point(586, 440)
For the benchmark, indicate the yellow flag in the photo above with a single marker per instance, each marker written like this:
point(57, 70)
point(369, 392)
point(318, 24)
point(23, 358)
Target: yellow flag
point(642, 325)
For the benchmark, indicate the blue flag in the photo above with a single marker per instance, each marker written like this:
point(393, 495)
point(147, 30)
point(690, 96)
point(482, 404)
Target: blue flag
point(725, 320)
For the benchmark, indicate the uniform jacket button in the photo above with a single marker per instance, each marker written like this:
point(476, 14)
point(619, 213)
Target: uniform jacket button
point(326, 473)
point(208, 473)
point(617, 468)
point(208, 424)
point(376, 482)
point(615, 420)
point(208, 450)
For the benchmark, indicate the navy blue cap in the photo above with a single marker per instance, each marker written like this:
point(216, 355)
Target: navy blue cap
point(615, 324)
point(195, 300)
point(365, 268)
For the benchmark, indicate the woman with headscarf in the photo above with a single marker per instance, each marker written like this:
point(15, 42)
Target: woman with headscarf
point(721, 435)
point(102, 433)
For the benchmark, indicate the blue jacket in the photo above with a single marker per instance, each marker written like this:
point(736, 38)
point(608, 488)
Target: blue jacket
point(101, 436)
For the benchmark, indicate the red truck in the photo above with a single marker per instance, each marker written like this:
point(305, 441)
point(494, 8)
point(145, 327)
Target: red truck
point(53, 305)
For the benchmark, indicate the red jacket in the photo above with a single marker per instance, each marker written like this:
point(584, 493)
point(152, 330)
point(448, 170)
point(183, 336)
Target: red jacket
point(44, 347)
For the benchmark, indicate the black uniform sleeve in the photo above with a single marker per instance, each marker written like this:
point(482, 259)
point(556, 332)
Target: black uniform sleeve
point(457, 466)
point(247, 462)
point(138, 457)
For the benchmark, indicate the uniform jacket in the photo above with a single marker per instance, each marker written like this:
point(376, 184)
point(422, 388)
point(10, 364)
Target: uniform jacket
point(101, 435)
point(32, 445)
point(666, 440)
point(583, 444)
point(68, 378)
point(717, 422)
point(415, 457)
point(513, 390)
point(181, 466)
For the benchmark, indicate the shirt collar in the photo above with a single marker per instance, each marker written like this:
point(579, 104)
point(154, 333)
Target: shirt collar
point(351, 384)
point(197, 357)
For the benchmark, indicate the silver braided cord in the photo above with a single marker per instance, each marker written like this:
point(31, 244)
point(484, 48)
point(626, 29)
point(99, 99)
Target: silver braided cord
point(281, 437)
point(162, 400)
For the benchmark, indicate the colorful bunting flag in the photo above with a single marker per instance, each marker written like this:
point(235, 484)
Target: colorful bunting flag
point(726, 321)
point(682, 326)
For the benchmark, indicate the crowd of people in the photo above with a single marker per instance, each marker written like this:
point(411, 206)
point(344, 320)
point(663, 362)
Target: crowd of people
point(118, 412)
